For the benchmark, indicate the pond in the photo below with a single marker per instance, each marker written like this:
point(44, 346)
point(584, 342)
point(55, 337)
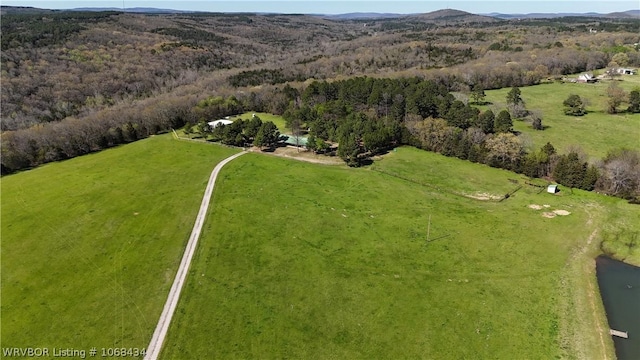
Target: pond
point(620, 290)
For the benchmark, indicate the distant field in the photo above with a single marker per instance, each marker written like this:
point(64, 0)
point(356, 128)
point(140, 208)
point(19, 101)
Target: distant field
point(90, 246)
point(596, 133)
point(332, 262)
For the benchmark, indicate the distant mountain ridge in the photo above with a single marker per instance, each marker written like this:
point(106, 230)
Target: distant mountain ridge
point(453, 16)
point(138, 10)
point(430, 16)
point(625, 15)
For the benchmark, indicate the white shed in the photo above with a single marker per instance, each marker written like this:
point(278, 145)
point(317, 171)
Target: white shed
point(552, 189)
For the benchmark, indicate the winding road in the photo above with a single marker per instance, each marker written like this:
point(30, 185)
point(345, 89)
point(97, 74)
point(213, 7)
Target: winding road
point(153, 350)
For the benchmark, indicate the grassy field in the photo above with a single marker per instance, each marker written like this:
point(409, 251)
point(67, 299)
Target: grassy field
point(331, 262)
point(596, 133)
point(303, 260)
point(90, 246)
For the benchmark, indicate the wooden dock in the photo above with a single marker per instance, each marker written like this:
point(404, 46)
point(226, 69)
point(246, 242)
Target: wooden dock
point(622, 334)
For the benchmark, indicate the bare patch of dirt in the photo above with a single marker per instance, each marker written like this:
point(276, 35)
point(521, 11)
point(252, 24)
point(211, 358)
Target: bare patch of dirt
point(535, 207)
point(483, 196)
point(549, 215)
point(302, 155)
point(561, 212)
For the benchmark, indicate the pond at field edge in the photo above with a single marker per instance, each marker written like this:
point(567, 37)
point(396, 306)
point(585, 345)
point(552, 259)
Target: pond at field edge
point(620, 291)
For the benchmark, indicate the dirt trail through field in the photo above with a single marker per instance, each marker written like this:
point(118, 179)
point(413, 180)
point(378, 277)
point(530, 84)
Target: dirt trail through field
point(590, 300)
point(291, 153)
point(153, 350)
point(593, 295)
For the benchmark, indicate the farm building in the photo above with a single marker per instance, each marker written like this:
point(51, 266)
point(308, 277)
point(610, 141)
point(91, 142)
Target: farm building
point(627, 71)
point(552, 189)
point(215, 123)
point(586, 78)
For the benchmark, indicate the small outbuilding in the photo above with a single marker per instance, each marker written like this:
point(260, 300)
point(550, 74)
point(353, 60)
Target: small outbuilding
point(552, 189)
point(213, 124)
point(627, 71)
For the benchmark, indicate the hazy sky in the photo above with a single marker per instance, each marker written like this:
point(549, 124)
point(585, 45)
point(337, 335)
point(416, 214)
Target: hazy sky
point(346, 6)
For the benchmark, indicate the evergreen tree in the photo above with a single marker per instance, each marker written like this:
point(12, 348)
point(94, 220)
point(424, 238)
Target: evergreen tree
point(486, 121)
point(311, 142)
point(570, 171)
point(514, 96)
point(456, 115)
point(252, 127)
point(349, 150)
point(203, 129)
point(503, 122)
point(478, 95)
point(634, 102)
point(531, 165)
point(548, 149)
point(574, 106)
point(590, 178)
point(267, 136)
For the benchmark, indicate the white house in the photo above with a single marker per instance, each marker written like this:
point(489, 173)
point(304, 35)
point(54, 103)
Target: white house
point(215, 123)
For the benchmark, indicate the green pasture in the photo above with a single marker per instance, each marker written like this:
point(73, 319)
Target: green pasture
point(448, 175)
point(596, 132)
point(300, 260)
point(90, 246)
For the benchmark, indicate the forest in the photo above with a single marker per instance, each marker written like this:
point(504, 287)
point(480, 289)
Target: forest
point(78, 82)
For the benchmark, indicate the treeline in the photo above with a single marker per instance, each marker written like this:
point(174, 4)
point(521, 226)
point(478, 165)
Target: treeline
point(192, 36)
point(40, 30)
point(121, 124)
point(369, 116)
point(263, 76)
point(365, 116)
point(73, 137)
point(242, 133)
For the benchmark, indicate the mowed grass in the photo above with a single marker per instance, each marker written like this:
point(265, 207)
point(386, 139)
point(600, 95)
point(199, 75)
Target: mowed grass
point(445, 175)
point(307, 261)
point(90, 246)
point(596, 133)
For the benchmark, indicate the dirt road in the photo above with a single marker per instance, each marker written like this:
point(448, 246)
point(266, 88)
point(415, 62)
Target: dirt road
point(153, 350)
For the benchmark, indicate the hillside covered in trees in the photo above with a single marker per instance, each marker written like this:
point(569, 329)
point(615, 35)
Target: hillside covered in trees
point(78, 82)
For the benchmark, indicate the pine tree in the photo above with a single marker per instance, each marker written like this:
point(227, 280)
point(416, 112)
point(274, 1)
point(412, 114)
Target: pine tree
point(514, 96)
point(486, 121)
point(634, 102)
point(503, 122)
point(574, 106)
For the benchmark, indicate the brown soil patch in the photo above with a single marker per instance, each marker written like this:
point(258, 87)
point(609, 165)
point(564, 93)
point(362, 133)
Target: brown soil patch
point(561, 212)
point(483, 196)
point(535, 207)
point(302, 155)
point(549, 215)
